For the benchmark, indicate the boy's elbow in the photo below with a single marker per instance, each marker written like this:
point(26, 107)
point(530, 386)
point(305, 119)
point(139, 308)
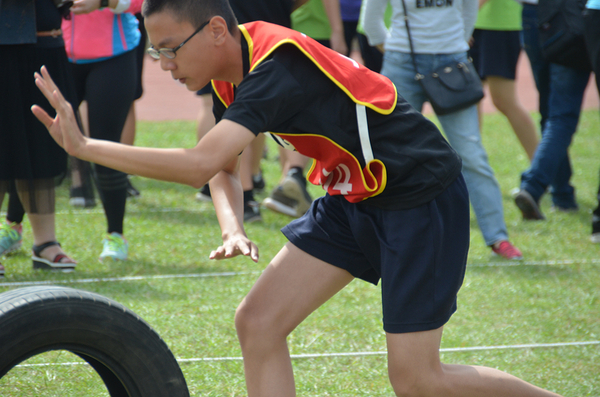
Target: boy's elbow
point(196, 183)
point(197, 180)
point(196, 175)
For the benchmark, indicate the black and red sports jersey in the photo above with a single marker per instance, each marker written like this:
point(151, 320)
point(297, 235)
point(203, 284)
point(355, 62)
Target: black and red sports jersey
point(367, 143)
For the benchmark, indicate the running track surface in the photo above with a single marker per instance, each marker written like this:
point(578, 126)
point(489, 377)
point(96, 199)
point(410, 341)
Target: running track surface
point(166, 99)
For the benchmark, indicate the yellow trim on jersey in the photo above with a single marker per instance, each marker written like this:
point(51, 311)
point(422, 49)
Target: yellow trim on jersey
point(340, 85)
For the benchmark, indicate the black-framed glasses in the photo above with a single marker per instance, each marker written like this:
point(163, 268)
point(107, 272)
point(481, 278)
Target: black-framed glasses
point(172, 52)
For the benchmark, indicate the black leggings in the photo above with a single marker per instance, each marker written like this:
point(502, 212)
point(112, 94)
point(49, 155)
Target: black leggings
point(109, 88)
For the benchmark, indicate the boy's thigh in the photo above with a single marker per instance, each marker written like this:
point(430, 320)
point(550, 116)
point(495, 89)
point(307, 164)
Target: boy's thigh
point(292, 286)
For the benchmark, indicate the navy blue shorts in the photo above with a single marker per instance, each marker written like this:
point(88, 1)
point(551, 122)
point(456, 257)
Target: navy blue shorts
point(496, 52)
point(419, 254)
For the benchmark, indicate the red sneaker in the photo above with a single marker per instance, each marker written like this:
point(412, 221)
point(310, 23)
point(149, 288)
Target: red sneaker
point(506, 250)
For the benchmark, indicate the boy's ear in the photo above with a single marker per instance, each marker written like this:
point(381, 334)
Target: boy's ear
point(218, 29)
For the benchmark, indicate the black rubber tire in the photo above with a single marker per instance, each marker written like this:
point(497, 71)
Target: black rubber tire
point(129, 356)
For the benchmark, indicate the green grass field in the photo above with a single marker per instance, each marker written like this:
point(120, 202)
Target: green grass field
point(552, 297)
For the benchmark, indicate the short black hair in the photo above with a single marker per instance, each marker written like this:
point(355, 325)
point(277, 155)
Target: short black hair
point(194, 11)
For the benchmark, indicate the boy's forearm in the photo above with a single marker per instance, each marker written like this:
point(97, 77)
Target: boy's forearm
point(194, 167)
point(227, 196)
point(173, 165)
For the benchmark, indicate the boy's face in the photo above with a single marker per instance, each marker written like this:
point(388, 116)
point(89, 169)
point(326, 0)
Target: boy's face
point(193, 63)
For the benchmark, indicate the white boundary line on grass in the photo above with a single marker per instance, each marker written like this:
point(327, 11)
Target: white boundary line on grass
point(101, 212)
point(230, 274)
point(126, 278)
point(361, 354)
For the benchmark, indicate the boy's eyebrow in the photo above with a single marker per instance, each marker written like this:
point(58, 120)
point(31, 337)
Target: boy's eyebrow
point(162, 43)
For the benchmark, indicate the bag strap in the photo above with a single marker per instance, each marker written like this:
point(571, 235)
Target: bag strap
point(418, 76)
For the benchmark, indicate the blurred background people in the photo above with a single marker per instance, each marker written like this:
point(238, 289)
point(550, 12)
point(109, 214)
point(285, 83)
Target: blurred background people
point(440, 33)
point(591, 19)
point(101, 38)
point(31, 163)
point(561, 90)
point(495, 50)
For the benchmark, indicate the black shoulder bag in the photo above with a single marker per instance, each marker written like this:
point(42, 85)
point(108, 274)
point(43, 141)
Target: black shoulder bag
point(560, 25)
point(449, 88)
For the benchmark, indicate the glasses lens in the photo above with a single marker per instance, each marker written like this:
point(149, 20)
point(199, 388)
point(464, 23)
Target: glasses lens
point(167, 52)
point(153, 53)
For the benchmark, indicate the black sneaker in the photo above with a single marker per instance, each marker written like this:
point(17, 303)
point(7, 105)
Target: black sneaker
point(528, 206)
point(132, 192)
point(204, 194)
point(258, 183)
point(291, 197)
point(595, 229)
point(252, 212)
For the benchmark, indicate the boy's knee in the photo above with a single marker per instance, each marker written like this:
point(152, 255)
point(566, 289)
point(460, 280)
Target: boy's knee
point(412, 388)
point(249, 321)
point(412, 382)
point(256, 326)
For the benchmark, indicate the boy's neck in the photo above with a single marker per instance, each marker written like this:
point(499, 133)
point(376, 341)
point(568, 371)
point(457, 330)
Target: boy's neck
point(235, 59)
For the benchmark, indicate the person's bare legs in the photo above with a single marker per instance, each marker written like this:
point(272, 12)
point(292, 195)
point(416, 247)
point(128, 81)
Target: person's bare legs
point(128, 134)
point(415, 369)
point(250, 161)
point(44, 231)
point(43, 224)
point(505, 98)
point(291, 159)
point(205, 119)
point(292, 286)
point(258, 148)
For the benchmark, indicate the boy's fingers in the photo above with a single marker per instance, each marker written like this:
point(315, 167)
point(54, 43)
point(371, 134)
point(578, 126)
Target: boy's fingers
point(48, 79)
point(45, 83)
point(217, 254)
point(254, 253)
point(42, 116)
point(41, 84)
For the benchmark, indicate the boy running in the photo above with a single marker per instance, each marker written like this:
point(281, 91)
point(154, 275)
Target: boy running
point(396, 207)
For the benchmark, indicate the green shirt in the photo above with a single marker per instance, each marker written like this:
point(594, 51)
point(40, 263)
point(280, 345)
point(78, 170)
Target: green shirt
point(499, 15)
point(387, 17)
point(311, 20)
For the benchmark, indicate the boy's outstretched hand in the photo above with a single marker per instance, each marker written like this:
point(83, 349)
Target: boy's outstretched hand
point(63, 127)
point(235, 246)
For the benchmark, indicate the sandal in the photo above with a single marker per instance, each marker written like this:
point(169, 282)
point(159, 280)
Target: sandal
point(56, 264)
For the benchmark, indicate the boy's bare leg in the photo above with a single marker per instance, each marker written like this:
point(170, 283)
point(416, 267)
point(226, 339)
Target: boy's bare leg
point(415, 370)
point(292, 286)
